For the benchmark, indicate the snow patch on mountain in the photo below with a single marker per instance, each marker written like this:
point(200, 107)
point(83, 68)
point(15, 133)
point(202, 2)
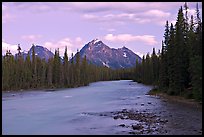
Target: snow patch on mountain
point(95, 41)
point(106, 65)
point(124, 55)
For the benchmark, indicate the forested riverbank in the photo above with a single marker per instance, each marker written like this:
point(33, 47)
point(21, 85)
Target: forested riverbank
point(177, 70)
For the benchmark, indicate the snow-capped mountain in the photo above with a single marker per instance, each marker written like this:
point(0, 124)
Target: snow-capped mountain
point(100, 54)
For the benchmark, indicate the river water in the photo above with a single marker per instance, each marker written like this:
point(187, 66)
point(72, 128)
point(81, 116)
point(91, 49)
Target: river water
point(77, 110)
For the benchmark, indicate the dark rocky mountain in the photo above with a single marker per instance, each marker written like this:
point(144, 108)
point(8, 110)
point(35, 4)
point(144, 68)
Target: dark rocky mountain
point(40, 51)
point(100, 54)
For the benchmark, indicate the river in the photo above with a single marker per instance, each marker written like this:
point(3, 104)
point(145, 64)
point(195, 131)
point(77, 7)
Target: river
point(93, 109)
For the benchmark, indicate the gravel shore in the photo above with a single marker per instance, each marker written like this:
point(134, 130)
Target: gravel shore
point(180, 117)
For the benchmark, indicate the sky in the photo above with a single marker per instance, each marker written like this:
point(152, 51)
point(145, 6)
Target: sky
point(138, 26)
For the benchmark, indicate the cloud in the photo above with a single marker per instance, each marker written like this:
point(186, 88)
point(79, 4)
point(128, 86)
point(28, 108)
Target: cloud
point(95, 6)
point(111, 30)
point(137, 12)
point(31, 38)
point(147, 39)
point(98, 7)
point(153, 16)
point(72, 45)
point(6, 46)
point(156, 13)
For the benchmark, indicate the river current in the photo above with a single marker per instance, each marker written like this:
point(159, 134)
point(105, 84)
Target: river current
point(75, 110)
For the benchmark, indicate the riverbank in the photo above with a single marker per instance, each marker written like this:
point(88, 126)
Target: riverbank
point(173, 98)
point(180, 116)
point(51, 89)
point(184, 116)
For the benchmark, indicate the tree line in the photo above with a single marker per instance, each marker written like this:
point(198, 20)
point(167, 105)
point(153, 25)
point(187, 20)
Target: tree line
point(36, 73)
point(177, 70)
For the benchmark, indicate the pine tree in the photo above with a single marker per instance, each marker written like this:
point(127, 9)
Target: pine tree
point(171, 60)
point(143, 69)
point(77, 68)
point(163, 72)
point(66, 69)
point(166, 37)
point(195, 66)
point(56, 69)
point(34, 69)
point(49, 72)
point(84, 73)
point(181, 63)
point(155, 67)
point(72, 80)
point(28, 72)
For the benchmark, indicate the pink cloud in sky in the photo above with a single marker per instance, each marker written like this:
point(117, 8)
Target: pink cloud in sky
point(72, 45)
point(147, 39)
point(153, 16)
point(6, 46)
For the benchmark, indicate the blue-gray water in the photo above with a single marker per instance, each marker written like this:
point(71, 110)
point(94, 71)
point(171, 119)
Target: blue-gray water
point(68, 111)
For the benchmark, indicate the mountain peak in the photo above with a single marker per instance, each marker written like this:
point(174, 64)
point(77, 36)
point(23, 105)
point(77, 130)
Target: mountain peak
point(102, 55)
point(94, 41)
point(124, 47)
point(41, 52)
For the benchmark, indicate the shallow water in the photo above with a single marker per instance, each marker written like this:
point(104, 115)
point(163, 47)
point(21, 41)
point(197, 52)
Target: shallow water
point(76, 110)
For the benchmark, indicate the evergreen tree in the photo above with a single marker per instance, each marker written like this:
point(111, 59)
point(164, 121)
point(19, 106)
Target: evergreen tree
point(28, 72)
point(181, 63)
point(49, 72)
point(195, 66)
point(171, 57)
point(77, 68)
point(163, 75)
point(66, 69)
point(34, 69)
point(155, 67)
point(84, 74)
point(56, 69)
point(72, 81)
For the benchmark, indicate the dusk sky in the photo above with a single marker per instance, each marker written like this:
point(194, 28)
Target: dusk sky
point(137, 25)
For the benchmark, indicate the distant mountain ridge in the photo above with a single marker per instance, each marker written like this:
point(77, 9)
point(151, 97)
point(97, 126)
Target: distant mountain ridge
point(96, 53)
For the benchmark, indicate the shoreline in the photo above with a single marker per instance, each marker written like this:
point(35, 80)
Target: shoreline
point(38, 89)
point(177, 99)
